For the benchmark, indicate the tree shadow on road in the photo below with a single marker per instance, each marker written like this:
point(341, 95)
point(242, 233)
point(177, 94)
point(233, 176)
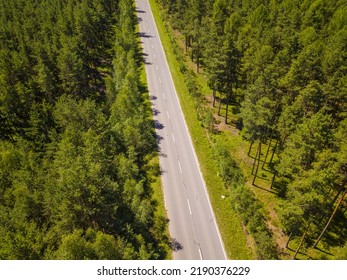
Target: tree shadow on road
point(140, 11)
point(175, 245)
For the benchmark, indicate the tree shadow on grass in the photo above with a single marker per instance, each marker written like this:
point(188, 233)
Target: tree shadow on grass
point(268, 190)
point(323, 251)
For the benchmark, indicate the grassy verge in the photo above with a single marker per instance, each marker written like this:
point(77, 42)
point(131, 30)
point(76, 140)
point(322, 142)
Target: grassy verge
point(229, 224)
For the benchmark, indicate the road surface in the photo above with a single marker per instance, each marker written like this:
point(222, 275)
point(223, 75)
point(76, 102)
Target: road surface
point(192, 225)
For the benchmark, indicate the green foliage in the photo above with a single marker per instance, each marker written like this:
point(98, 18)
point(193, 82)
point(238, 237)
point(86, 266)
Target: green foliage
point(91, 245)
point(229, 169)
point(250, 209)
point(76, 134)
point(302, 145)
point(291, 216)
point(245, 204)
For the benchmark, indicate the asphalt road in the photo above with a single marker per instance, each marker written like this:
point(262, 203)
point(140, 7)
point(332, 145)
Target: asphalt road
point(192, 223)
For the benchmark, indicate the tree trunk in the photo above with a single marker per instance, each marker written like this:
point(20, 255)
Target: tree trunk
point(198, 60)
point(331, 205)
point(289, 237)
point(267, 152)
point(255, 160)
point(335, 198)
point(273, 152)
point(227, 109)
point(250, 147)
point(256, 171)
point(273, 181)
point(229, 94)
point(330, 219)
point(214, 97)
point(299, 247)
point(220, 101)
point(186, 42)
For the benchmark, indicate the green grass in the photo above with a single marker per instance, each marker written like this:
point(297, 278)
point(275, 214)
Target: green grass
point(229, 224)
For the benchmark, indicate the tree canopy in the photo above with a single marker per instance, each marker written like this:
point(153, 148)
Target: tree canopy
point(76, 132)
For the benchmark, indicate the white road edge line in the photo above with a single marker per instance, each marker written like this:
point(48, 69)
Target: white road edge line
point(173, 137)
point(190, 212)
point(168, 115)
point(179, 165)
point(200, 253)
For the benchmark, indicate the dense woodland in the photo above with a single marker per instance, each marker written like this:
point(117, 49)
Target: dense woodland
point(77, 139)
point(76, 134)
point(277, 71)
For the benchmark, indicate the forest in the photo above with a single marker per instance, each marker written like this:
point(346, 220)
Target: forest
point(276, 72)
point(77, 140)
